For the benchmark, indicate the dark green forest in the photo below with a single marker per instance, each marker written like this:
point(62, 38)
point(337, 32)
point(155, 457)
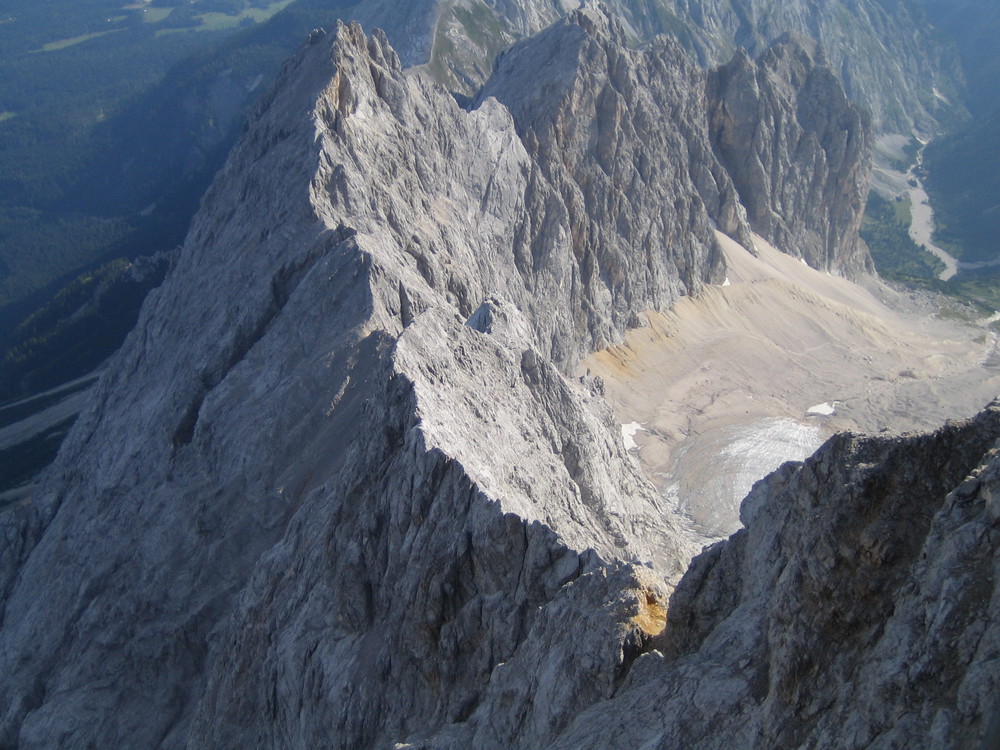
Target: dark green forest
point(57, 104)
point(107, 143)
point(113, 121)
point(963, 183)
point(885, 229)
point(78, 328)
point(901, 261)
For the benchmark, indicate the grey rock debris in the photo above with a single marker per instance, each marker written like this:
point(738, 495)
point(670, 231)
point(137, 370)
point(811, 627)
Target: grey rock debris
point(338, 488)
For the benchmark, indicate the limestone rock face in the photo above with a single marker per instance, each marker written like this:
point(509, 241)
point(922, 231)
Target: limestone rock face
point(797, 151)
point(337, 489)
point(303, 459)
point(396, 594)
point(620, 135)
point(885, 53)
point(858, 608)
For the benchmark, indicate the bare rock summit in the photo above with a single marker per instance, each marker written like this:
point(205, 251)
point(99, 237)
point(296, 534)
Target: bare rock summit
point(338, 489)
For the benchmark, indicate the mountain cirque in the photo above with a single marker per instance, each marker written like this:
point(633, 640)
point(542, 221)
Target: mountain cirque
point(338, 488)
point(737, 370)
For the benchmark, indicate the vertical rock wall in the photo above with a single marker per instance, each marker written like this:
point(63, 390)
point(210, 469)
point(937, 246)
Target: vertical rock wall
point(337, 488)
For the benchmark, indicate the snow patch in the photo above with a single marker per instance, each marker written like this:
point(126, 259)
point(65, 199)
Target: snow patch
point(629, 432)
point(714, 477)
point(826, 409)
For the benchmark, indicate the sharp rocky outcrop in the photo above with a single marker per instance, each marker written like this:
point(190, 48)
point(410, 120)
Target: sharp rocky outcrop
point(887, 56)
point(890, 61)
point(856, 609)
point(797, 151)
point(338, 488)
point(301, 369)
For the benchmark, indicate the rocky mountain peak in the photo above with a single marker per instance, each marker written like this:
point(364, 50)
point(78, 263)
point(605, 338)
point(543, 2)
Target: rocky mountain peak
point(814, 153)
point(338, 488)
point(884, 52)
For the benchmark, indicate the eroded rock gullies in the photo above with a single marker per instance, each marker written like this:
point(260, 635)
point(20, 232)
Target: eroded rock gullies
point(337, 488)
point(300, 410)
point(620, 135)
point(401, 588)
point(887, 56)
point(885, 53)
point(797, 150)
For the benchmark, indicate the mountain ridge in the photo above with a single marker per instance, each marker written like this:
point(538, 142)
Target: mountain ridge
point(288, 516)
point(155, 162)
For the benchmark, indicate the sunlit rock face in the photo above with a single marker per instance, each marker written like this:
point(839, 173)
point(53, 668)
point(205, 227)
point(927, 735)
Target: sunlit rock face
point(797, 152)
point(338, 490)
point(303, 394)
point(888, 57)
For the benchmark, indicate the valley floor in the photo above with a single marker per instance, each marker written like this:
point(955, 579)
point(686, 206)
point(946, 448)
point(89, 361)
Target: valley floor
point(892, 183)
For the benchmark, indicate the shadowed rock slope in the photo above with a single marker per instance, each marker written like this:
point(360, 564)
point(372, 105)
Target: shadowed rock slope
point(857, 609)
point(337, 489)
point(302, 437)
point(302, 402)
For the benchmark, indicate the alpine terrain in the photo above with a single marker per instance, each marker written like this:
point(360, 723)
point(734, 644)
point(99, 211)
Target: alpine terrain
point(358, 478)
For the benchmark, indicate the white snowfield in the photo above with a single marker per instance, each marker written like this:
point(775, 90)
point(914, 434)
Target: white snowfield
point(719, 473)
point(826, 409)
point(629, 431)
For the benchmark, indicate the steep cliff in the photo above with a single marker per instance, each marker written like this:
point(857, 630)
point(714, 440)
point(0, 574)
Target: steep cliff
point(337, 489)
point(302, 460)
point(889, 59)
point(857, 609)
point(797, 151)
